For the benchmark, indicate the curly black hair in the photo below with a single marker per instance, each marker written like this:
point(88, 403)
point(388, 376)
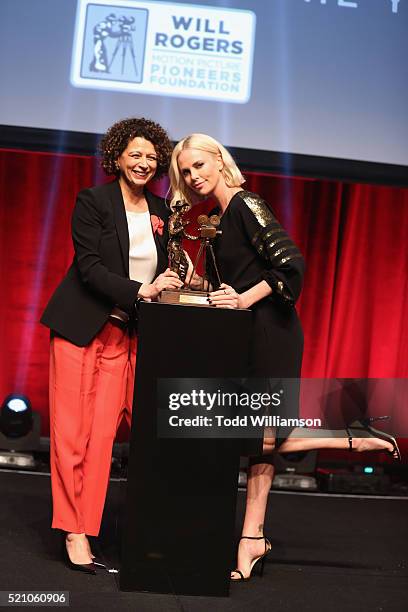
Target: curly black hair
point(117, 138)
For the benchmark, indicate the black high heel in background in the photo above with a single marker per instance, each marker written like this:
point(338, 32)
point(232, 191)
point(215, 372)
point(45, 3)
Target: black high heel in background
point(87, 568)
point(364, 425)
point(268, 547)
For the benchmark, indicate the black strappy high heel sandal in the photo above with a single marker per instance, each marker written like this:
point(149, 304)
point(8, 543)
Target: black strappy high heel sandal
point(268, 547)
point(358, 428)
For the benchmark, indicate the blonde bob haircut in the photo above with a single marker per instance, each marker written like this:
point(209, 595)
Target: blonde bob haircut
point(230, 171)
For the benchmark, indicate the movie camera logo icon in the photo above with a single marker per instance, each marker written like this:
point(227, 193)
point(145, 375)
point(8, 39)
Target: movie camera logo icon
point(164, 48)
point(113, 45)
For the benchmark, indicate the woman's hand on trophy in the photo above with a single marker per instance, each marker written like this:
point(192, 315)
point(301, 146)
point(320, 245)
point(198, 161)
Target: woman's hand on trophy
point(166, 280)
point(225, 297)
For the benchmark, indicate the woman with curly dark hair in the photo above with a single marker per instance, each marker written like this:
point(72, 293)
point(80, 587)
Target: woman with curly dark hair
point(119, 231)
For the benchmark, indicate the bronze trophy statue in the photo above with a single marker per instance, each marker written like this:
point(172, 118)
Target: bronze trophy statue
point(178, 261)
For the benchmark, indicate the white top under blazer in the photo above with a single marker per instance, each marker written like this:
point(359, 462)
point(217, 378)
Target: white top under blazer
point(142, 248)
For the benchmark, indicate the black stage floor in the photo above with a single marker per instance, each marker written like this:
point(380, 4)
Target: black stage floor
point(329, 553)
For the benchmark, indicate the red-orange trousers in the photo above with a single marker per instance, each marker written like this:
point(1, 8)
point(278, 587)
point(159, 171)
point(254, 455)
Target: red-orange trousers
point(91, 388)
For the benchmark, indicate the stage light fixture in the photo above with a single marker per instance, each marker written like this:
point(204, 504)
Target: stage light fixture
point(356, 479)
point(295, 471)
point(16, 416)
point(19, 432)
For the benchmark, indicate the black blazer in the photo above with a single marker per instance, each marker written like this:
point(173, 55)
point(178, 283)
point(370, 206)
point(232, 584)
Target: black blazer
point(98, 278)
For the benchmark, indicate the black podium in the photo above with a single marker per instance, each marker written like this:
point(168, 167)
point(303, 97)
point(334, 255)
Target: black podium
point(178, 527)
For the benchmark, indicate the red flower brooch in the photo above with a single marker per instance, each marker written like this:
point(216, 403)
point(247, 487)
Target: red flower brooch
point(157, 224)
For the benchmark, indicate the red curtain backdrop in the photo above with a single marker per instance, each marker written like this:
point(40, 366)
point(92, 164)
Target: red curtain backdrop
point(354, 238)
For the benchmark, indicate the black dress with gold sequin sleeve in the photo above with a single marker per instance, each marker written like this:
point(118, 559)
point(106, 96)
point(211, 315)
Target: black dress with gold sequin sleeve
point(252, 247)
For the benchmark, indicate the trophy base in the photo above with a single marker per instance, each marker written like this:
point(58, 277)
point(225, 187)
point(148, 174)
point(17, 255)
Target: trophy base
point(185, 297)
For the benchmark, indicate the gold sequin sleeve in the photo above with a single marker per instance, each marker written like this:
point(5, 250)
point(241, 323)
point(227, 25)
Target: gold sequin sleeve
point(284, 264)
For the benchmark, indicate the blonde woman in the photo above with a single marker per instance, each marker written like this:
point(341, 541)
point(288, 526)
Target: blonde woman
point(263, 271)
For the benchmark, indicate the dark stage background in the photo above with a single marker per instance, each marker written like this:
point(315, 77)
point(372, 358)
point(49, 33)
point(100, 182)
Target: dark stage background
point(353, 308)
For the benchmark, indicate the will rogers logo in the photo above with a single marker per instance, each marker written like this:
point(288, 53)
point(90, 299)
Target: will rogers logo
point(164, 48)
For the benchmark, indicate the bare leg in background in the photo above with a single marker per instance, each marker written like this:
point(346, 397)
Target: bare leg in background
point(260, 477)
